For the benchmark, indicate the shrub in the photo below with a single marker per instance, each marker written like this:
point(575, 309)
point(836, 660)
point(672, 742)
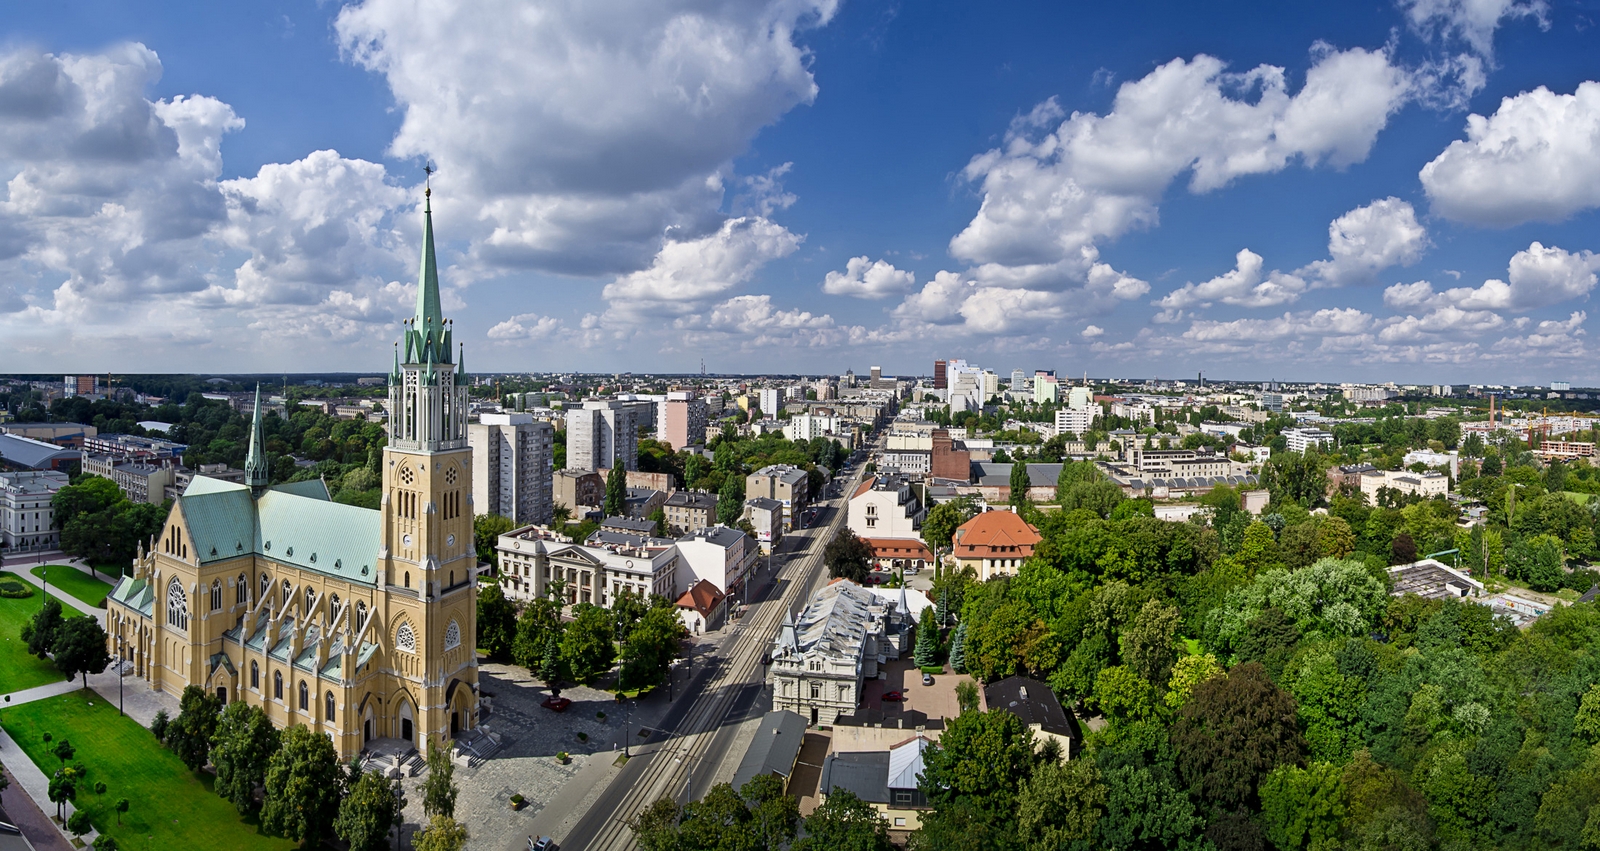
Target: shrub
point(932, 669)
point(158, 725)
point(561, 755)
point(10, 586)
point(583, 737)
point(48, 737)
point(80, 823)
point(104, 842)
point(517, 800)
point(600, 716)
point(100, 788)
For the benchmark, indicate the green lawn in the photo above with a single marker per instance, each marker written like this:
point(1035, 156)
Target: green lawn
point(1579, 498)
point(19, 669)
point(170, 807)
point(69, 579)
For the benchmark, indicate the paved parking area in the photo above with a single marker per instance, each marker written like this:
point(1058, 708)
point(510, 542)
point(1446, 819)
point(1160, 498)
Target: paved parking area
point(935, 703)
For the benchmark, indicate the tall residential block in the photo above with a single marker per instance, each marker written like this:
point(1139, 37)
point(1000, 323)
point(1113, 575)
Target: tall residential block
point(513, 457)
point(683, 419)
point(939, 379)
point(601, 435)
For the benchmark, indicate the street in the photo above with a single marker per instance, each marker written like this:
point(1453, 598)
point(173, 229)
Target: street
point(724, 692)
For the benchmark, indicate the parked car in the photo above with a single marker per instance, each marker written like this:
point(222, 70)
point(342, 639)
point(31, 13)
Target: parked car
point(927, 678)
point(543, 843)
point(893, 696)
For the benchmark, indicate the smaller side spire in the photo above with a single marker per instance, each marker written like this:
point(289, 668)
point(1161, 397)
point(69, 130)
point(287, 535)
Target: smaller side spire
point(257, 473)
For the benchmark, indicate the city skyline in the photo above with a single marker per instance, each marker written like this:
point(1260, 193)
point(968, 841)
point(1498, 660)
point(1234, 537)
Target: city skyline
point(1403, 193)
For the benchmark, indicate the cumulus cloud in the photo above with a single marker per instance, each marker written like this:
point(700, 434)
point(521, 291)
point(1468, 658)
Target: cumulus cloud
point(686, 274)
point(1247, 285)
point(1092, 331)
point(1537, 158)
point(1369, 239)
point(1539, 277)
point(525, 327)
point(864, 278)
point(1061, 184)
point(613, 121)
point(1470, 21)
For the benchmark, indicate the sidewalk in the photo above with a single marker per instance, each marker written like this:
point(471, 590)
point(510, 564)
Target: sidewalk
point(26, 774)
point(65, 599)
point(37, 829)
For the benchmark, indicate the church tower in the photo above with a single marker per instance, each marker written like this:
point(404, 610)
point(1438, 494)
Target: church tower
point(428, 555)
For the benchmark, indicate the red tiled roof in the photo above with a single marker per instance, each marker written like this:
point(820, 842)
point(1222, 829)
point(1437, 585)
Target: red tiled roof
point(995, 532)
point(898, 548)
point(866, 485)
point(703, 597)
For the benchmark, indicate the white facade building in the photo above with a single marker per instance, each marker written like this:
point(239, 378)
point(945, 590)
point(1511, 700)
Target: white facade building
point(771, 400)
point(1434, 459)
point(1300, 439)
point(885, 507)
point(719, 555)
point(1075, 420)
point(1429, 484)
point(820, 662)
point(27, 522)
point(533, 557)
point(513, 459)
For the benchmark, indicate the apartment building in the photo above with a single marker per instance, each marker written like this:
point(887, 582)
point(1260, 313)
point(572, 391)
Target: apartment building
point(789, 485)
point(603, 434)
point(1301, 439)
point(885, 506)
point(1426, 485)
point(683, 419)
point(27, 521)
point(513, 459)
point(995, 543)
point(533, 557)
point(140, 481)
point(690, 510)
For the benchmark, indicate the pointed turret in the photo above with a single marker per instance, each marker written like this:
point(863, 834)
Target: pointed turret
point(257, 473)
point(428, 340)
point(788, 640)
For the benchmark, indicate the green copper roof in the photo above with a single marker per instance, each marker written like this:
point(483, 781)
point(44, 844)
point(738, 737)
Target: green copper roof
point(135, 594)
point(257, 473)
point(291, 524)
point(428, 338)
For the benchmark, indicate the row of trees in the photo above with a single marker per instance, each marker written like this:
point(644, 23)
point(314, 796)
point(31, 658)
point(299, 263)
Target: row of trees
point(293, 779)
point(646, 634)
point(101, 525)
point(76, 645)
point(759, 816)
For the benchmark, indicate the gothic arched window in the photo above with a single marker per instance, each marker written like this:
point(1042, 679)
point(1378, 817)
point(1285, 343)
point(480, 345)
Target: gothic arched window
point(361, 616)
point(177, 605)
point(305, 697)
point(266, 585)
point(255, 676)
point(327, 707)
point(287, 590)
point(452, 636)
point(405, 639)
point(333, 607)
point(241, 590)
point(311, 600)
point(277, 685)
point(216, 594)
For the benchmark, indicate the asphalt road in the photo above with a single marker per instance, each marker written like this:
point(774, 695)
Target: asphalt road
point(679, 762)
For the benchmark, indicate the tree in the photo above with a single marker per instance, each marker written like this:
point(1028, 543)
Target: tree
point(443, 833)
point(1149, 645)
point(539, 622)
point(927, 648)
point(1019, 485)
point(439, 790)
point(1188, 673)
point(983, 755)
point(1303, 807)
point(550, 667)
point(40, 630)
point(80, 823)
point(848, 557)
point(159, 724)
point(241, 749)
point(189, 735)
point(497, 622)
point(651, 646)
point(1402, 550)
point(659, 517)
point(367, 813)
point(79, 648)
point(63, 788)
point(486, 532)
point(1234, 731)
point(63, 751)
point(105, 842)
point(943, 520)
point(303, 786)
point(1587, 722)
point(730, 500)
point(588, 648)
point(122, 807)
point(958, 648)
point(967, 696)
point(616, 497)
point(1060, 805)
point(844, 823)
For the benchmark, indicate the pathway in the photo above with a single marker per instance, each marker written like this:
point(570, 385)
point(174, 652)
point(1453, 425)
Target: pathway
point(26, 574)
point(26, 774)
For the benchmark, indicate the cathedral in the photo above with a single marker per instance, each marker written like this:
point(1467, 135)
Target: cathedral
point(358, 622)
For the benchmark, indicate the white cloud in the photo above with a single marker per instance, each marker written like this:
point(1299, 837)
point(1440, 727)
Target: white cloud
point(1092, 331)
point(864, 278)
point(1471, 21)
point(1341, 321)
point(525, 327)
point(686, 274)
point(1537, 158)
point(1445, 320)
point(1061, 184)
point(1539, 277)
point(577, 132)
point(1245, 286)
point(938, 302)
point(1369, 239)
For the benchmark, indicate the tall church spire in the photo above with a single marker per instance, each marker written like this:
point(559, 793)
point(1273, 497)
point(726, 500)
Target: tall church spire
point(257, 473)
point(428, 338)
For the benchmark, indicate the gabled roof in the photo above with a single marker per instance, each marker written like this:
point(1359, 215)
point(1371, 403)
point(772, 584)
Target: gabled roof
point(905, 763)
point(774, 749)
point(996, 529)
point(294, 524)
point(702, 597)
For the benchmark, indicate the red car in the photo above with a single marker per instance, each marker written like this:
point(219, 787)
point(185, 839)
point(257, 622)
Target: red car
point(559, 704)
point(893, 696)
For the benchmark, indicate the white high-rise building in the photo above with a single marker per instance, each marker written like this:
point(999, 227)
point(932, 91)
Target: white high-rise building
point(1075, 420)
point(1019, 381)
point(601, 435)
point(771, 400)
point(513, 457)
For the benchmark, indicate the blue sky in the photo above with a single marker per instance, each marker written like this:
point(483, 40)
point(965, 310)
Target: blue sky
point(1258, 190)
